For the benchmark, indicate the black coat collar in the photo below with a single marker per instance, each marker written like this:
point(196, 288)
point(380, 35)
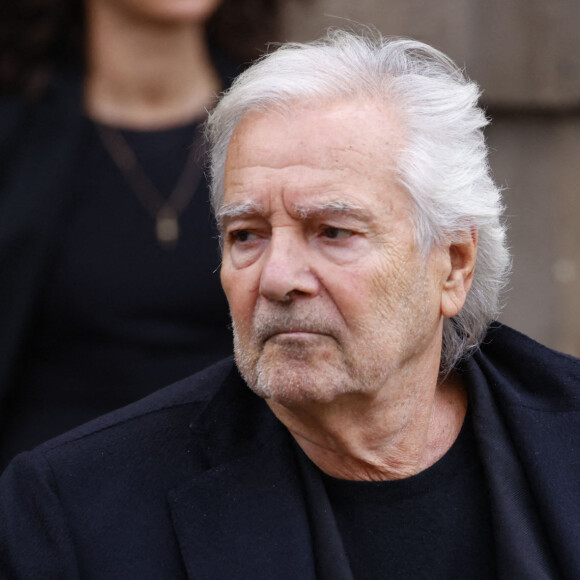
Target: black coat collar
point(244, 516)
point(526, 414)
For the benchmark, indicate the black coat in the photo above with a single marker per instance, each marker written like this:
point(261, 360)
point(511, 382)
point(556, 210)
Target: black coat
point(200, 480)
point(38, 142)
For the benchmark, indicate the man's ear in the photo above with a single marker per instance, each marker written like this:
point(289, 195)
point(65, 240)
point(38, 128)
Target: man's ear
point(461, 256)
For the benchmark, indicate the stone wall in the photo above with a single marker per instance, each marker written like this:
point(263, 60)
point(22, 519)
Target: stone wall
point(525, 54)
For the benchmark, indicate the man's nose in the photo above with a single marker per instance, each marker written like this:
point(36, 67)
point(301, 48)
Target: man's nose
point(287, 270)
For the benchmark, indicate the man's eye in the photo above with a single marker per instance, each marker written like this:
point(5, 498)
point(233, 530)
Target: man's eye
point(242, 236)
point(336, 233)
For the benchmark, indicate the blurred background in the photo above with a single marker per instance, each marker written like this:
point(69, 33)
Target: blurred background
point(525, 55)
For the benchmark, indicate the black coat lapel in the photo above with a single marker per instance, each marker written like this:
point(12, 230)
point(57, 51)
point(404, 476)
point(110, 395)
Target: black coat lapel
point(243, 520)
point(521, 546)
point(245, 516)
point(527, 401)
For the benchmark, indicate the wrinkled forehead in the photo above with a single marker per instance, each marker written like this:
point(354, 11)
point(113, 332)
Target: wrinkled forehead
point(339, 158)
point(355, 135)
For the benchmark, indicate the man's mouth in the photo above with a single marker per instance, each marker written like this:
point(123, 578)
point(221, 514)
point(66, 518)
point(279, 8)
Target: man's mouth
point(294, 333)
point(271, 326)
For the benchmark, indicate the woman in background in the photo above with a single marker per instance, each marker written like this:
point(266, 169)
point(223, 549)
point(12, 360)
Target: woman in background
point(108, 254)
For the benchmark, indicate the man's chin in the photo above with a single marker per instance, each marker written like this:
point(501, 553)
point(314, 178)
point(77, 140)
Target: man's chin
point(294, 384)
point(300, 347)
point(295, 369)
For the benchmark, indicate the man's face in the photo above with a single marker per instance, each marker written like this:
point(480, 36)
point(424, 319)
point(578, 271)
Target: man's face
point(327, 290)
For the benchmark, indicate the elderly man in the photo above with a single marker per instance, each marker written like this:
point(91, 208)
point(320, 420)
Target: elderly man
point(363, 256)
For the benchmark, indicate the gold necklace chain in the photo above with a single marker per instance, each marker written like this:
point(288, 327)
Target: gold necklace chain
point(165, 212)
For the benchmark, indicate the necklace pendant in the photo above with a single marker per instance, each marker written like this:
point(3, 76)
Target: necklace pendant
point(167, 228)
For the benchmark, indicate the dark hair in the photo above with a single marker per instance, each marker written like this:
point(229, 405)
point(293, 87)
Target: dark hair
point(36, 35)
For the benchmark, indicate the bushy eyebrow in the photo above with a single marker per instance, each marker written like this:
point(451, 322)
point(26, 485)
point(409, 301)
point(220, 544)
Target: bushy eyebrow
point(248, 209)
point(335, 207)
point(230, 211)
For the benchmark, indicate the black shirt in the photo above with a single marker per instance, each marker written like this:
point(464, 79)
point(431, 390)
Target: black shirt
point(434, 525)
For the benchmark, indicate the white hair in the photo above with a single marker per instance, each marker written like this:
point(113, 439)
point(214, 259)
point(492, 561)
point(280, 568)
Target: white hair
point(443, 165)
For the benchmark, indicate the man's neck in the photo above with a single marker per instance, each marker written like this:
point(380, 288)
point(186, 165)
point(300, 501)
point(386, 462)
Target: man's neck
point(145, 75)
point(369, 439)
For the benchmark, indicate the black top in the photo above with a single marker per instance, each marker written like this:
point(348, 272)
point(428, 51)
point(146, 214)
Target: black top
point(434, 525)
point(119, 316)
